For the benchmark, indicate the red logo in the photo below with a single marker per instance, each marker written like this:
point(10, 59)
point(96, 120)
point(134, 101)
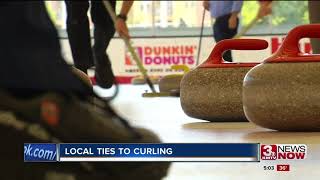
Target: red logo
point(50, 113)
point(269, 152)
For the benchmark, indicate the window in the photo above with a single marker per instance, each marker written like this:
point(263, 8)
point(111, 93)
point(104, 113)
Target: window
point(180, 18)
point(170, 10)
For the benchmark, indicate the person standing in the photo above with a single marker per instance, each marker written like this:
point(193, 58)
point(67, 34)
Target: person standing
point(79, 36)
point(226, 20)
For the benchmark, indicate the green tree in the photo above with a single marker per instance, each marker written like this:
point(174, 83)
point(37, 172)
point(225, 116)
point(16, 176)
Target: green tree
point(283, 12)
point(249, 11)
point(290, 12)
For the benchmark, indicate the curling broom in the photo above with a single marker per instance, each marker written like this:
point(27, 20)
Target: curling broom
point(130, 48)
point(250, 25)
point(137, 59)
point(247, 28)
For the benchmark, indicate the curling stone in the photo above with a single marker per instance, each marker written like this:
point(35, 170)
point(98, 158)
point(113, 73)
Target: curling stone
point(171, 83)
point(213, 91)
point(283, 93)
point(83, 76)
point(138, 80)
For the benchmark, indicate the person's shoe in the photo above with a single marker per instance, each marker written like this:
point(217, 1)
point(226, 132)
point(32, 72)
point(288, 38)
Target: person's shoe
point(87, 120)
point(104, 75)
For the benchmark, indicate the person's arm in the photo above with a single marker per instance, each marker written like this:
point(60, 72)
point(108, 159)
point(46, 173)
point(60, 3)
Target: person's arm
point(236, 8)
point(121, 25)
point(265, 8)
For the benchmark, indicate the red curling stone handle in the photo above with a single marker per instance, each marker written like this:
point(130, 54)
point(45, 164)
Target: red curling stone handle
point(234, 44)
point(289, 50)
point(290, 44)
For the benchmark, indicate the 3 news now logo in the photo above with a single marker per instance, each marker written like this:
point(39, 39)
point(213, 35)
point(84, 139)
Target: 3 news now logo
point(283, 151)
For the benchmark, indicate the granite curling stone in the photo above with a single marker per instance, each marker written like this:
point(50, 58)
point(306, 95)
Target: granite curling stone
point(171, 83)
point(283, 93)
point(213, 91)
point(139, 80)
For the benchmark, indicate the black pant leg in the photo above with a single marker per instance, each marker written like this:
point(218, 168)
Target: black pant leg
point(219, 35)
point(103, 31)
point(102, 40)
point(222, 31)
point(79, 34)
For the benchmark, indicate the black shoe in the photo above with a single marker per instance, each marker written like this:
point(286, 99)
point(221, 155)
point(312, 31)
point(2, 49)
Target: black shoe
point(104, 75)
point(87, 120)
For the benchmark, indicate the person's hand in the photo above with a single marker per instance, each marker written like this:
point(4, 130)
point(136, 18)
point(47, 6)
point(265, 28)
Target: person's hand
point(206, 5)
point(121, 28)
point(264, 9)
point(232, 22)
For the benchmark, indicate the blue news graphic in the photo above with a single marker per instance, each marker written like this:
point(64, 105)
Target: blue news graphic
point(40, 152)
point(192, 150)
point(142, 152)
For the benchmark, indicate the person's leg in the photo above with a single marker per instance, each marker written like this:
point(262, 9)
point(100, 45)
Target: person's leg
point(103, 71)
point(79, 34)
point(229, 35)
point(219, 36)
point(222, 31)
point(103, 33)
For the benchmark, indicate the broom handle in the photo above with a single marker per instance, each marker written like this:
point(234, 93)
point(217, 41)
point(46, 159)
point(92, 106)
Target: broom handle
point(201, 34)
point(250, 25)
point(136, 58)
point(247, 28)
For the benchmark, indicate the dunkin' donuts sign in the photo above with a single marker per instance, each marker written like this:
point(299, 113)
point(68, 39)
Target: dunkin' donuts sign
point(158, 56)
point(164, 55)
